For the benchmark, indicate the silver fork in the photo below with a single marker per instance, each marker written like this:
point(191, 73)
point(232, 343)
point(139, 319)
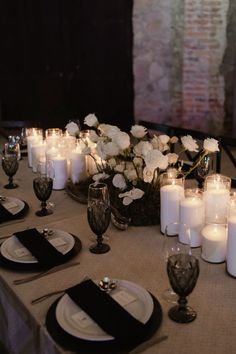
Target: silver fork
point(46, 296)
point(44, 273)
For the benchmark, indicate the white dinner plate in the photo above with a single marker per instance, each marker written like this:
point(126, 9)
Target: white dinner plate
point(75, 322)
point(13, 249)
point(13, 205)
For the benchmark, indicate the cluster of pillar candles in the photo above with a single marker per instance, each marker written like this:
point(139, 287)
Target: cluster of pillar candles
point(209, 214)
point(63, 150)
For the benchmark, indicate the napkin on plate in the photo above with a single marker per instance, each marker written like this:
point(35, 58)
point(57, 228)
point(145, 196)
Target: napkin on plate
point(5, 215)
point(107, 313)
point(40, 247)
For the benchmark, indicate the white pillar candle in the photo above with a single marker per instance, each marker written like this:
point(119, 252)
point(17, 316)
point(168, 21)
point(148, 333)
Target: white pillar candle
point(171, 194)
point(77, 166)
point(231, 243)
point(192, 214)
point(37, 150)
point(214, 242)
point(231, 246)
point(216, 202)
point(51, 153)
point(32, 140)
point(60, 172)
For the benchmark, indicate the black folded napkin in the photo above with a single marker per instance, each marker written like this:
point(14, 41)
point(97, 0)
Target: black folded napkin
point(107, 313)
point(5, 215)
point(38, 245)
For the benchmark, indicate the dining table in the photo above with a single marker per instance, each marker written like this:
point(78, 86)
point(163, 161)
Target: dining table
point(136, 255)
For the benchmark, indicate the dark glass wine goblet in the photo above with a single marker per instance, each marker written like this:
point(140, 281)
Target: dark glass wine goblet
point(183, 271)
point(43, 189)
point(10, 166)
point(99, 215)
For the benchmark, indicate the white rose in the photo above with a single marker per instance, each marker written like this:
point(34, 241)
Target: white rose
point(127, 201)
point(122, 139)
point(136, 193)
point(163, 162)
point(119, 181)
point(174, 140)
point(131, 195)
point(120, 167)
point(138, 131)
point(72, 128)
point(211, 145)
point(189, 143)
point(172, 158)
point(100, 149)
point(147, 175)
point(108, 130)
point(142, 148)
point(91, 120)
point(100, 176)
point(155, 159)
point(93, 136)
point(111, 149)
point(164, 139)
point(112, 162)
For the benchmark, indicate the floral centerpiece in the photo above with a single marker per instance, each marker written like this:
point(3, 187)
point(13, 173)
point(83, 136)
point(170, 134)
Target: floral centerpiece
point(132, 165)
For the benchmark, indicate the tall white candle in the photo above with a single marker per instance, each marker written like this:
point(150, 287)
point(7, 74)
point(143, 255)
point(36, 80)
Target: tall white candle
point(60, 172)
point(37, 150)
point(32, 140)
point(216, 204)
point(77, 166)
point(231, 243)
point(171, 194)
point(231, 246)
point(51, 152)
point(192, 214)
point(214, 242)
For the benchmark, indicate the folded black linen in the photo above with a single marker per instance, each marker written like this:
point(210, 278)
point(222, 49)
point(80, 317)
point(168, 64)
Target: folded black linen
point(5, 215)
point(40, 247)
point(107, 313)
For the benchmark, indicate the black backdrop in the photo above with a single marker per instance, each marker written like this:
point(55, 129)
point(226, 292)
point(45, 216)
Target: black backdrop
point(63, 59)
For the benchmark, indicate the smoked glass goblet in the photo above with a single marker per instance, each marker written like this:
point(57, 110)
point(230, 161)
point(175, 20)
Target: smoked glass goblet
point(10, 166)
point(183, 271)
point(99, 215)
point(172, 245)
point(42, 185)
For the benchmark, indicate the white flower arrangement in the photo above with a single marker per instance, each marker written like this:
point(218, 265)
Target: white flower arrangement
point(134, 161)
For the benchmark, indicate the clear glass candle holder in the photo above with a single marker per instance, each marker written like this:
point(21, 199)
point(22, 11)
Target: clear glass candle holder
point(171, 193)
point(192, 213)
point(216, 198)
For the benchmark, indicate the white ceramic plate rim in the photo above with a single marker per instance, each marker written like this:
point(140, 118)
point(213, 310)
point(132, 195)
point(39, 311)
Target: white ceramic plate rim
point(13, 242)
point(20, 205)
point(75, 330)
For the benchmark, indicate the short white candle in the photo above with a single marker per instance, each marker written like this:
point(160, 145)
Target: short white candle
point(60, 172)
point(171, 194)
point(214, 242)
point(231, 243)
point(192, 214)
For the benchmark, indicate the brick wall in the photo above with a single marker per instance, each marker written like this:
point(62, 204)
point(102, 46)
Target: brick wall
point(179, 48)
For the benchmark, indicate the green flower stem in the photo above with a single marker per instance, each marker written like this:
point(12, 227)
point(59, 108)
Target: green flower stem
point(201, 157)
